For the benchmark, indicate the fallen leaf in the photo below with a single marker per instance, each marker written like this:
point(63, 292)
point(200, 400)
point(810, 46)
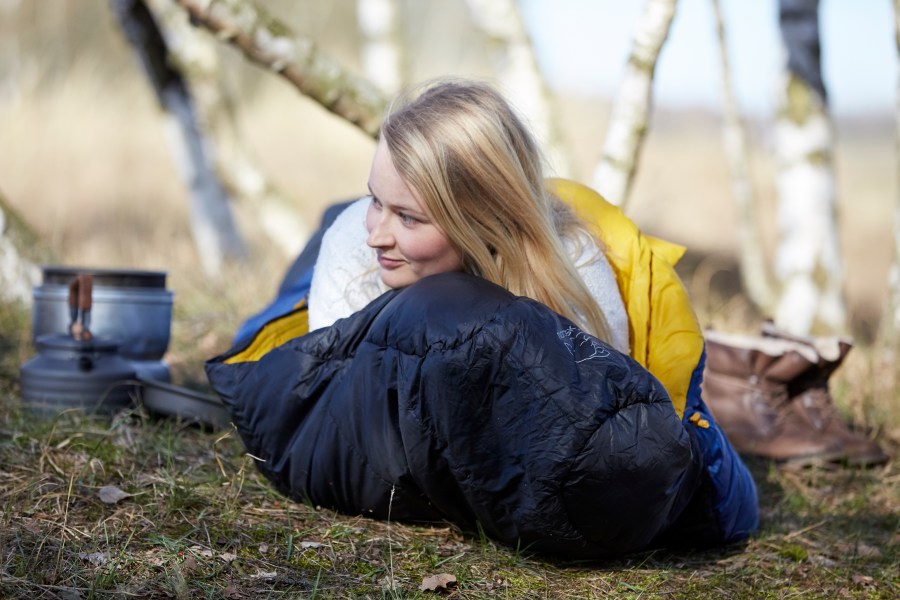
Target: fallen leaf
point(201, 551)
point(862, 580)
point(110, 494)
point(305, 545)
point(190, 565)
point(95, 558)
point(264, 574)
point(435, 583)
point(867, 551)
point(263, 548)
point(233, 593)
point(228, 557)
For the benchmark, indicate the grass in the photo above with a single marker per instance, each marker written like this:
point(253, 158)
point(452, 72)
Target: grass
point(199, 521)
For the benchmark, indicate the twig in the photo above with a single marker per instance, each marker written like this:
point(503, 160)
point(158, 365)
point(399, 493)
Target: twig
point(799, 532)
point(271, 43)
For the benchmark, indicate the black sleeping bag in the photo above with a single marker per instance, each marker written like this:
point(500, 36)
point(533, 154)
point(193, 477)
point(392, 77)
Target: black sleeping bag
point(454, 400)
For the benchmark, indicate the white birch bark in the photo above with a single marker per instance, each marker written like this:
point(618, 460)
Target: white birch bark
point(10, 54)
point(194, 52)
point(890, 321)
point(808, 262)
point(518, 72)
point(271, 43)
point(215, 233)
point(631, 112)
point(20, 255)
point(381, 54)
point(734, 138)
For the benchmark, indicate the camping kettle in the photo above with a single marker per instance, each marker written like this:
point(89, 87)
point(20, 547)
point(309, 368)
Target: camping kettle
point(131, 306)
point(77, 370)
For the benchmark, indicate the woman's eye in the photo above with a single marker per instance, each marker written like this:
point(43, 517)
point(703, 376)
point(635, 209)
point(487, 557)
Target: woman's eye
point(376, 203)
point(406, 219)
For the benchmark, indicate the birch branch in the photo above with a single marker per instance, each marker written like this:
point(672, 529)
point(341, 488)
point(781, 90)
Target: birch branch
point(272, 44)
point(631, 111)
point(734, 139)
point(890, 321)
point(20, 254)
point(193, 52)
point(512, 55)
point(382, 53)
point(215, 232)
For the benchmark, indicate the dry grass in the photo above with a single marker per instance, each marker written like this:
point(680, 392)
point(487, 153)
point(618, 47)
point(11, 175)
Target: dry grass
point(92, 172)
point(199, 522)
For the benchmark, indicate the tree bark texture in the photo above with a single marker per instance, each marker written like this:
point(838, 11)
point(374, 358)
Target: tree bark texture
point(21, 253)
point(194, 52)
point(272, 44)
point(754, 274)
point(631, 110)
point(890, 322)
point(808, 262)
point(512, 55)
point(215, 234)
point(10, 54)
point(382, 50)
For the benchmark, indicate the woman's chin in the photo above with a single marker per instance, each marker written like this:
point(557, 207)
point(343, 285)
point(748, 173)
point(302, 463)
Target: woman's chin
point(394, 280)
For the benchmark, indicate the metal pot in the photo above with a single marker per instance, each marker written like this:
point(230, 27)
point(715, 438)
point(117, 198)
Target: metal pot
point(69, 373)
point(131, 306)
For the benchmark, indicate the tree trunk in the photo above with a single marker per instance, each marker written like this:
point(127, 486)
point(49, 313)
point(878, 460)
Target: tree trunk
point(215, 233)
point(194, 53)
point(807, 261)
point(382, 60)
point(519, 74)
point(753, 265)
point(631, 111)
point(10, 53)
point(272, 44)
point(21, 253)
point(890, 322)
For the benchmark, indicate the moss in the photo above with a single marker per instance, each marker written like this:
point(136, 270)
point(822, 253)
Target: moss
point(802, 102)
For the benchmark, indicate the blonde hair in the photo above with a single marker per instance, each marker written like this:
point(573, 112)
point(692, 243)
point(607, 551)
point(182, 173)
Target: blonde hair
point(465, 151)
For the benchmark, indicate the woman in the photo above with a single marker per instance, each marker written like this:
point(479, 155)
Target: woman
point(468, 359)
point(457, 164)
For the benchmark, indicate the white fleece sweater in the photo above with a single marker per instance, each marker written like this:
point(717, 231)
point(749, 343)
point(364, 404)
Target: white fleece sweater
point(345, 278)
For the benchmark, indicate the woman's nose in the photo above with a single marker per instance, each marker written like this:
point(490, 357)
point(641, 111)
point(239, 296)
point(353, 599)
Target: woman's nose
point(379, 232)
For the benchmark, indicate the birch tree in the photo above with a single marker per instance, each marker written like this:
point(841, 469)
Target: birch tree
point(215, 233)
point(272, 44)
point(754, 274)
point(21, 253)
point(631, 111)
point(381, 53)
point(194, 54)
point(518, 72)
point(890, 321)
point(10, 52)
point(807, 261)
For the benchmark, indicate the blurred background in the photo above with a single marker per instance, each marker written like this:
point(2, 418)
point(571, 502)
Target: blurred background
point(86, 154)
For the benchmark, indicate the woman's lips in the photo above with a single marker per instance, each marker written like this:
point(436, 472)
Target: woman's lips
point(388, 263)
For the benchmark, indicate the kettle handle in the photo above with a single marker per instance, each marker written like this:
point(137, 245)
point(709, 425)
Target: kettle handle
point(81, 290)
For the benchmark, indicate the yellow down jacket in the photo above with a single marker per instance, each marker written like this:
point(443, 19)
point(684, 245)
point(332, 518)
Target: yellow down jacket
point(665, 335)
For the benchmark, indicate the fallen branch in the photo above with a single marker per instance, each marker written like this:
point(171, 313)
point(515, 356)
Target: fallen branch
point(272, 44)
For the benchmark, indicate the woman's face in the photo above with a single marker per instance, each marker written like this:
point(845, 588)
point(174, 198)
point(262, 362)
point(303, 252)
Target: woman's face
point(408, 243)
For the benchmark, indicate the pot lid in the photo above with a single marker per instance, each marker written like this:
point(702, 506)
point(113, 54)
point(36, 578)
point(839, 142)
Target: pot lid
point(62, 341)
point(61, 275)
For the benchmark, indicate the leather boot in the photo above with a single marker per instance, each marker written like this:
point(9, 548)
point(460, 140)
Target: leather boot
point(813, 400)
point(770, 396)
